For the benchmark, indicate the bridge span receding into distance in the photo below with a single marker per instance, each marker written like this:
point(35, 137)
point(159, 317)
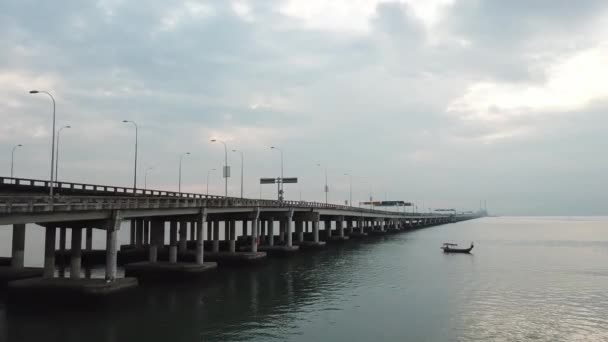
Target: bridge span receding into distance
point(202, 233)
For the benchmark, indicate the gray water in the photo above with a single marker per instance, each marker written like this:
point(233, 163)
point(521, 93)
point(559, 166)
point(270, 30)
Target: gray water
point(538, 279)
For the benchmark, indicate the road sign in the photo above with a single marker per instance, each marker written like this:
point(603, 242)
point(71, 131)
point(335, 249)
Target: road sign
point(268, 180)
point(290, 180)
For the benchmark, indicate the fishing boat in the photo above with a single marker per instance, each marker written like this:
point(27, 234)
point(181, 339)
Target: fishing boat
point(453, 248)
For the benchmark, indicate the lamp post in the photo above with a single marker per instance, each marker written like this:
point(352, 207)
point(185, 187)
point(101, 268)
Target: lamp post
point(135, 167)
point(350, 188)
point(53, 138)
point(13, 158)
point(242, 161)
point(326, 189)
point(146, 176)
point(179, 183)
point(281, 192)
point(208, 173)
point(57, 158)
point(226, 171)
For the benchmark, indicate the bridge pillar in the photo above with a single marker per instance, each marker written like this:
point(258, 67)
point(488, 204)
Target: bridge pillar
point(315, 230)
point(183, 236)
point(193, 227)
point(139, 232)
point(173, 241)
point(232, 242)
point(349, 226)
point(155, 226)
point(200, 237)
point(271, 232)
point(17, 253)
point(328, 229)
point(112, 245)
point(282, 231)
point(76, 253)
point(209, 230)
point(146, 232)
point(255, 226)
point(340, 226)
point(88, 244)
point(288, 229)
point(132, 232)
point(216, 236)
point(49, 252)
point(263, 234)
point(300, 230)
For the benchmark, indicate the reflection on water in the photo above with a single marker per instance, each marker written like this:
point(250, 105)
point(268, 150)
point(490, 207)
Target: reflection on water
point(528, 279)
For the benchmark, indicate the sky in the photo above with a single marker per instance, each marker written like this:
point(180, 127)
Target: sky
point(441, 102)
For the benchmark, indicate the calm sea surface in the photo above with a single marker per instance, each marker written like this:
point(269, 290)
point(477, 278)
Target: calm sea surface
point(537, 279)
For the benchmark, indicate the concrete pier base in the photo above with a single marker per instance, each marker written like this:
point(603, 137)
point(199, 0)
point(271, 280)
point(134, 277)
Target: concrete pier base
point(357, 235)
point(65, 287)
point(8, 274)
point(167, 271)
point(311, 245)
point(236, 259)
point(279, 251)
point(337, 239)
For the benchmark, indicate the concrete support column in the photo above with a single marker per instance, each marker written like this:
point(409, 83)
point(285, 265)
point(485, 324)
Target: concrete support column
point(361, 225)
point(49, 252)
point(232, 242)
point(315, 230)
point(112, 246)
point(288, 230)
point(328, 229)
point(132, 232)
point(349, 226)
point(76, 253)
point(300, 230)
point(146, 229)
point(271, 232)
point(193, 236)
point(245, 227)
point(17, 254)
point(254, 233)
point(183, 236)
point(340, 226)
point(88, 244)
point(62, 238)
point(154, 232)
point(139, 232)
point(216, 236)
point(200, 237)
point(173, 241)
point(263, 230)
point(282, 231)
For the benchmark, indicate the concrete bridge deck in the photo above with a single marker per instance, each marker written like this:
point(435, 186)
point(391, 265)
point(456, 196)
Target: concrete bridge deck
point(193, 221)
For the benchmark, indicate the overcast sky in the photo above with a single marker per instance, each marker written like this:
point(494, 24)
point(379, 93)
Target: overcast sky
point(441, 102)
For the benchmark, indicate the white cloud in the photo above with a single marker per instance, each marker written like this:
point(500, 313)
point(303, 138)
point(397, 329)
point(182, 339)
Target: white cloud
point(353, 16)
point(571, 84)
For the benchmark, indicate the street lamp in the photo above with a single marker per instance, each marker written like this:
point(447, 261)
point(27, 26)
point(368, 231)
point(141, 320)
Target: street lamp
point(146, 176)
point(326, 189)
point(57, 158)
point(13, 158)
point(208, 173)
point(281, 180)
point(350, 188)
point(135, 167)
point(53, 139)
point(241, 152)
point(179, 184)
point(226, 167)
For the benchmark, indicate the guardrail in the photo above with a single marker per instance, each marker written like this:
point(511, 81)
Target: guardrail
point(115, 197)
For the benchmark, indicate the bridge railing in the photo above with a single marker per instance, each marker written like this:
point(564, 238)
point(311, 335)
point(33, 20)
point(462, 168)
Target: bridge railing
point(115, 197)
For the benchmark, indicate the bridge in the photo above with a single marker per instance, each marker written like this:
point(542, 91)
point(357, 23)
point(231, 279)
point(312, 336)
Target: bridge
point(202, 232)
